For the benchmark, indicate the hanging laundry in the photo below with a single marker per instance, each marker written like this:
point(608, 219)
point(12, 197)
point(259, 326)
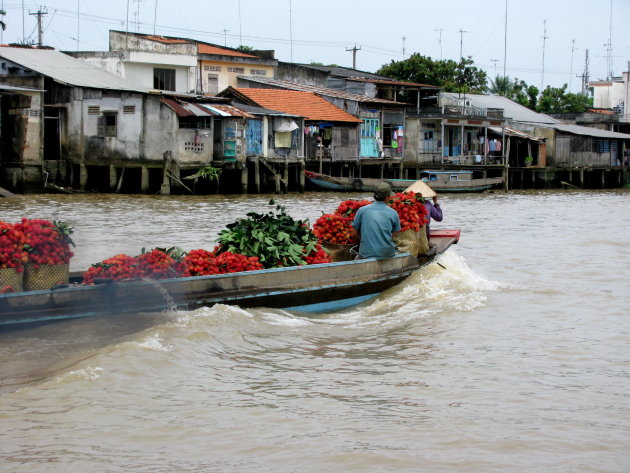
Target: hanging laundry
point(282, 139)
point(327, 133)
point(498, 146)
point(282, 124)
point(493, 145)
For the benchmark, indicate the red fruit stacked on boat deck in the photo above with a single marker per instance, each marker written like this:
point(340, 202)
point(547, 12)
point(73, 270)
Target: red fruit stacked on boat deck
point(348, 208)
point(157, 264)
point(116, 268)
point(410, 209)
point(46, 242)
point(203, 263)
point(334, 228)
point(12, 253)
point(317, 256)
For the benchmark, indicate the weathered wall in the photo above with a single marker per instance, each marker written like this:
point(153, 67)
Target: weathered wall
point(228, 72)
point(120, 41)
point(301, 75)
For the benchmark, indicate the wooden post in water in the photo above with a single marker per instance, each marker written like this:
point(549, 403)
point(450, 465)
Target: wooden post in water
point(165, 189)
point(257, 175)
point(113, 178)
point(144, 180)
point(276, 177)
point(244, 178)
point(301, 178)
point(83, 176)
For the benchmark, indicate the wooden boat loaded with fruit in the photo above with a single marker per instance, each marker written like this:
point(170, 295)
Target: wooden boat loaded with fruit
point(310, 288)
point(264, 260)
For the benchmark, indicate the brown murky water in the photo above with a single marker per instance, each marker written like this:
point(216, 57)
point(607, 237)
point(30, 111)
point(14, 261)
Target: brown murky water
point(514, 358)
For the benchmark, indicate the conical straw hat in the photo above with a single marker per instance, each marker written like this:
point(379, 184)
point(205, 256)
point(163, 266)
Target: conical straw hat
point(421, 187)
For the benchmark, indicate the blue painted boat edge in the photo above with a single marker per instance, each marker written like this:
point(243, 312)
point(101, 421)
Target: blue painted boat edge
point(332, 306)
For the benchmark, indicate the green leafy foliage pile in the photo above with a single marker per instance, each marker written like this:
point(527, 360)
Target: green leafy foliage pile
point(276, 238)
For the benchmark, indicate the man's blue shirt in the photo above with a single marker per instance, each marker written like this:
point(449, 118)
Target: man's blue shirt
point(376, 223)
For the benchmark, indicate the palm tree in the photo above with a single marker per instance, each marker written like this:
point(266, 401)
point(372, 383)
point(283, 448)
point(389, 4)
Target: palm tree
point(501, 85)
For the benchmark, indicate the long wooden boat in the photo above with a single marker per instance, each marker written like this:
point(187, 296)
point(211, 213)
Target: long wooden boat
point(321, 287)
point(439, 181)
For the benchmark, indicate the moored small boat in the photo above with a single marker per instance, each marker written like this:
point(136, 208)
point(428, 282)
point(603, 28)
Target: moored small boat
point(439, 181)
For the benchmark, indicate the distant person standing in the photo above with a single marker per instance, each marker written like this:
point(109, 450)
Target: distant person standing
point(375, 224)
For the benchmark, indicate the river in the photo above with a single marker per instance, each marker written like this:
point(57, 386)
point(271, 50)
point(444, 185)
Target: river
point(512, 356)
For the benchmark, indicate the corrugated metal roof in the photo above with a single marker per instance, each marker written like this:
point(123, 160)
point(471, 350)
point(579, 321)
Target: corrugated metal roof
point(66, 69)
point(304, 104)
point(511, 110)
point(284, 84)
point(588, 131)
point(255, 110)
point(513, 132)
point(200, 109)
point(13, 88)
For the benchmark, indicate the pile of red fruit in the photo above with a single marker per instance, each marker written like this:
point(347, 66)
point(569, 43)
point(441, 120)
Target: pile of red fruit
point(155, 264)
point(116, 268)
point(337, 227)
point(410, 209)
point(203, 262)
point(46, 242)
point(317, 256)
point(12, 253)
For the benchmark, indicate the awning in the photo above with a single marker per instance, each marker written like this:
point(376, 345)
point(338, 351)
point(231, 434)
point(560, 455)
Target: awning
point(202, 109)
point(513, 132)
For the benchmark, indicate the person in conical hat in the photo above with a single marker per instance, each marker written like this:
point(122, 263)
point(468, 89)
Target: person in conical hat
point(434, 211)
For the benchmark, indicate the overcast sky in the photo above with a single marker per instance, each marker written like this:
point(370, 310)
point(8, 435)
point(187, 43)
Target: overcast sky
point(324, 30)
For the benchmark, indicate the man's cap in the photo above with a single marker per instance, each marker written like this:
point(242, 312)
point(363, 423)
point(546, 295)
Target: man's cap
point(382, 190)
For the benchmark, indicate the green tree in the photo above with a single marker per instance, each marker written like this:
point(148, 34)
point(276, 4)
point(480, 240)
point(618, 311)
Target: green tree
point(517, 90)
point(501, 85)
point(453, 76)
point(557, 100)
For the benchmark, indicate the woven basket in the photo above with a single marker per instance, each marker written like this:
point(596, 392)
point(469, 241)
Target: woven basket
point(11, 280)
point(339, 252)
point(45, 276)
point(411, 241)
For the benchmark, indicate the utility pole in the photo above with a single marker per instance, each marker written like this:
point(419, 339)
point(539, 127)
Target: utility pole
point(225, 37)
point(505, 39)
point(584, 75)
point(403, 39)
point(542, 77)
point(571, 74)
point(290, 25)
point(154, 17)
point(354, 55)
point(78, 23)
point(439, 31)
point(609, 44)
point(40, 30)
point(461, 42)
point(495, 65)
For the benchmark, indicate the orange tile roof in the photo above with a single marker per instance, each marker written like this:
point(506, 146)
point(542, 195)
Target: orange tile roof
point(208, 49)
point(295, 102)
point(163, 39)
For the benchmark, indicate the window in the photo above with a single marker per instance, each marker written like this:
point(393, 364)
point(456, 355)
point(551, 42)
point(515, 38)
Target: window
point(129, 109)
point(238, 70)
point(94, 110)
point(164, 79)
point(195, 122)
point(212, 68)
point(258, 72)
point(107, 124)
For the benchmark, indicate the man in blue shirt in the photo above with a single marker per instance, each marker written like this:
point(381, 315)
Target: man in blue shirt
point(376, 223)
